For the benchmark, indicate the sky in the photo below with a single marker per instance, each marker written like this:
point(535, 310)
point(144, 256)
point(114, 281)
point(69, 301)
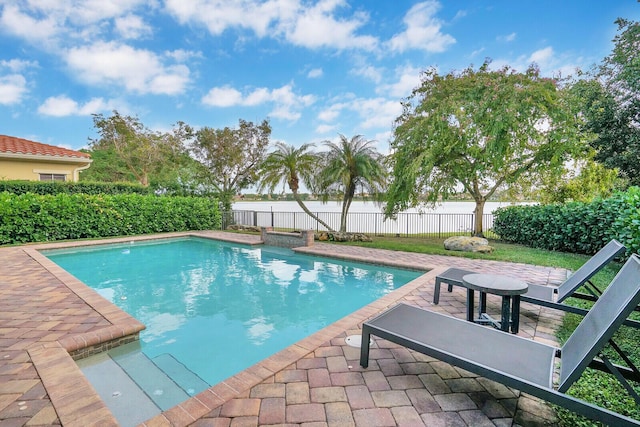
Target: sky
point(314, 68)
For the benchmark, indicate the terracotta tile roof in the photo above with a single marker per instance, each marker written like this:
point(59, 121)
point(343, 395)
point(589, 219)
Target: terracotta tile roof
point(10, 144)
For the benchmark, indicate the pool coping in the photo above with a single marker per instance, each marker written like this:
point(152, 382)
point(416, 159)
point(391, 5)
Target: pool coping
point(59, 373)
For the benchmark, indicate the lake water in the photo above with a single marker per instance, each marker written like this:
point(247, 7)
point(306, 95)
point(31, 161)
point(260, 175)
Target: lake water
point(366, 217)
point(360, 206)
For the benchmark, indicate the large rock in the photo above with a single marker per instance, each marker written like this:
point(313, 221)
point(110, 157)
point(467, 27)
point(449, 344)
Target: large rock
point(468, 244)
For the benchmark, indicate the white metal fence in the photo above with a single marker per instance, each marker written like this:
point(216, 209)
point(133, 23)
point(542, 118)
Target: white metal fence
point(405, 224)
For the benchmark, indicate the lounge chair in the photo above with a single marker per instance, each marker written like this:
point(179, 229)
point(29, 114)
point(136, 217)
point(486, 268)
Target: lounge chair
point(551, 296)
point(518, 362)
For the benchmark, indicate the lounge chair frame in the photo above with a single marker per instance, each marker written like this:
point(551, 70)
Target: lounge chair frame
point(523, 364)
point(551, 296)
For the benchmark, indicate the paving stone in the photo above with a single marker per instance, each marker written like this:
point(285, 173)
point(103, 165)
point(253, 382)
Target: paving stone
point(306, 413)
point(476, 418)
point(464, 385)
point(272, 411)
point(387, 399)
point(402, 355)
point(376, 381)
point(445, 370)
point(434, 384)
point(337, 364)
point(359, 397)
point(527, 419)
point(423, 401)
point(319, 377)
point(404, 382)
point(244, 422)
point(291, 375)
point(268, 390)
point(297, 393)
point(417, 368)
point(497, 390)
point(212, 422)
point(339, 414)
point(240, 407)
point(538, 407)
point(454, 402)
point(376, 417)
point(346, 378)
point(328, 394)
point(406, 416)
point(390, 367)
point(443, 419)
point(311, 363)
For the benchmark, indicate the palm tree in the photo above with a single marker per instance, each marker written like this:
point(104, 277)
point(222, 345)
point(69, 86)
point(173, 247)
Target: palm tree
point(289, 164)
point(351, 165)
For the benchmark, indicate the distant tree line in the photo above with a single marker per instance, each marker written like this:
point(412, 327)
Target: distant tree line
point(477, 132)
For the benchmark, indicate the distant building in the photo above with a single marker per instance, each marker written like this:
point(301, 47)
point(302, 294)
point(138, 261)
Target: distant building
point(34, 161)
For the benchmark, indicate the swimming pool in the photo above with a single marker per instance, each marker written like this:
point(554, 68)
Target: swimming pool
point(217, 308)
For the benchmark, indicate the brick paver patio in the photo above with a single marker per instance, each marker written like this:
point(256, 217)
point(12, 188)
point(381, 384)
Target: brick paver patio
point(46, 315)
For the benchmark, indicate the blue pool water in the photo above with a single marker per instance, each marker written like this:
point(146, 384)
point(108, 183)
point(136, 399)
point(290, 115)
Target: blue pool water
point(218, 308)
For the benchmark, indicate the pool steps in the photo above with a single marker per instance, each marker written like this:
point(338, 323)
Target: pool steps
point(125, 375)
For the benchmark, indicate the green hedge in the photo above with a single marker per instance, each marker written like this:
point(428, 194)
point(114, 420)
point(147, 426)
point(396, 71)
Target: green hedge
point(39, 218)
point(574, 227)
point(49, 187)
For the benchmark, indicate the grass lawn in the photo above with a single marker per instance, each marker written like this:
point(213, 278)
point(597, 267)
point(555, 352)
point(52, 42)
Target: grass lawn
point(596, 387)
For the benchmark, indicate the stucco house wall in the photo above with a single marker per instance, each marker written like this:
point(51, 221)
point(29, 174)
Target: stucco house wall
point(29, 160)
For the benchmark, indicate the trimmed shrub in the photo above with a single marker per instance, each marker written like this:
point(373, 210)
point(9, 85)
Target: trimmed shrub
point(53, 187)
point(573, 227)
point(39, 218)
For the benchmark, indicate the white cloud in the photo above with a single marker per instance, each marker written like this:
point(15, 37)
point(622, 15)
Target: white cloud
point(182, 55)
point(17, 65)
point(423, 30)
point(376, 112)
point(315, 73)
point(317, 27)
point(508, 38)
point(332, 113)
point(137, 70)
point(322, 129)
point(220, 15)
point(12, 89)
point(408, 78)
point(62, 106)
point(49, 23)
point(548, 61)
point(286, 104)
point(222, 97)
point(369, 72)
point(132, 27)
point(313, 27)
point(542, 56)
point(22, 25)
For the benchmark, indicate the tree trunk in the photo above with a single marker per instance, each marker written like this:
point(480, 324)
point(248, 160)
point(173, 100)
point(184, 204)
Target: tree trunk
point(349, 193)
point(478, 212)
point(308, 212)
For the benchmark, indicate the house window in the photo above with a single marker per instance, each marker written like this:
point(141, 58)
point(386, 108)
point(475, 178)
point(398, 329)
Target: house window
point(53, 177)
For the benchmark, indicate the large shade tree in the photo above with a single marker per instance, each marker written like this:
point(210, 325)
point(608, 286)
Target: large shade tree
point(232, 156)
point(352, 165)
point(293, 166)
point(478, 131)
point(611, 102)
point(141, 151)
